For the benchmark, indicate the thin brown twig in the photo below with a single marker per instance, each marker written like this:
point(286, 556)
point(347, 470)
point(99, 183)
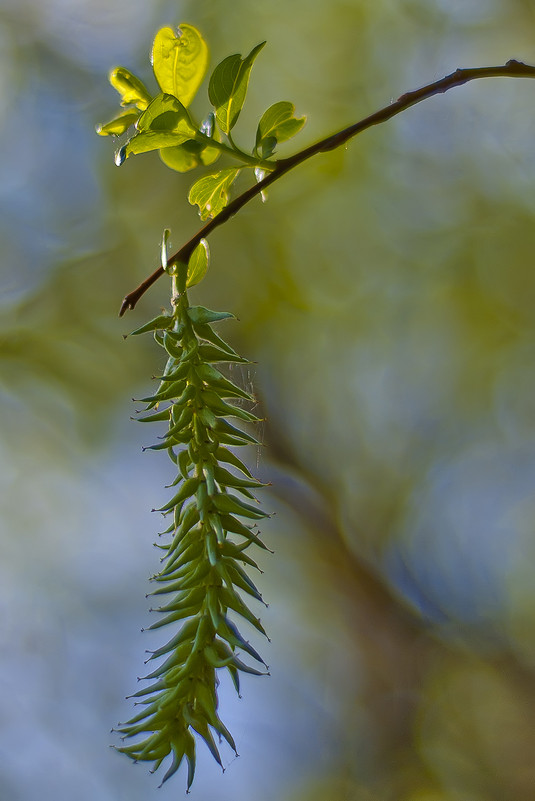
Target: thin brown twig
point(512, 69)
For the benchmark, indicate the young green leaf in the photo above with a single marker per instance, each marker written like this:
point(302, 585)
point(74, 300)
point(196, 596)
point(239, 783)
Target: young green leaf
point(133, 91)
point(276, 125)
point(165, 123)
point(147, 141)
point(198, 263)
point(228, 87)
point(189, 155)
point(118, 125)
point(166, 113)
point(180, 62)
point(195, 153)
point(211, 192)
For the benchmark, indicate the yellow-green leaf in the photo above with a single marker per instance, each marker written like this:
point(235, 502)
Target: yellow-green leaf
point(119, 125)
point(133, 91)
point(277, 124)
point(166, 113)
point(211, 192)
point(180, 61)
point(228, 87)
point(147, 141)
point(189, 155)
point(164, 124)
point(181, 158)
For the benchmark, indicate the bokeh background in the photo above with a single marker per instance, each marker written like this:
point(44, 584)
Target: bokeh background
point(386, 294)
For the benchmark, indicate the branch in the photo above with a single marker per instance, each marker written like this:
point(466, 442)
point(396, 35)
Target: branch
point(513, 69)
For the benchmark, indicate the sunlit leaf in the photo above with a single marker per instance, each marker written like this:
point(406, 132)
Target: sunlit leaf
point(166, 113)
point(198, 263)
point(193, 153)
point(211, 192)
point(276, 125)
point(180, 61)
point(119, 125)
point(165, 123)
point(228, 87)
point(150, 140)
point(182, 158)
point(133, 91)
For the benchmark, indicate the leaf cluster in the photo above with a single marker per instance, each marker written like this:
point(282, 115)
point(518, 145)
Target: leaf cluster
point(165, 123)
point(214, 515)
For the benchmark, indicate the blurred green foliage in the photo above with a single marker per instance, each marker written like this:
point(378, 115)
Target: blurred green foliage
point(386, 294)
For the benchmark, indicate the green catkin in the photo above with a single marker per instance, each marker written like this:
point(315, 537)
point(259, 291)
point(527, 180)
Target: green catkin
point(203, 564)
